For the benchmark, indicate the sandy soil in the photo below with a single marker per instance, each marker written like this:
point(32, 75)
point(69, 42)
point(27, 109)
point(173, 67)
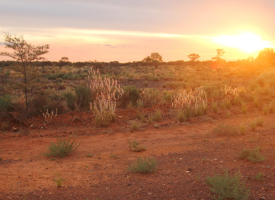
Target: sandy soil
point(187, 153)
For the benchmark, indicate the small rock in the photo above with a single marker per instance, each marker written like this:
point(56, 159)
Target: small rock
point(268, 166)
point(262, 198)
point(129, 183)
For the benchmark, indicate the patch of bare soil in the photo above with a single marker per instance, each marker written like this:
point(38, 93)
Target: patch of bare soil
point(187, 153)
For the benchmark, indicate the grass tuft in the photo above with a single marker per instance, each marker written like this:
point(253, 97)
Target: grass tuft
point(62, 147)
point(253, 155)
point(135, 146)
point(225, 129)
point(144, 165)
point(59, 181)
point(228, 187)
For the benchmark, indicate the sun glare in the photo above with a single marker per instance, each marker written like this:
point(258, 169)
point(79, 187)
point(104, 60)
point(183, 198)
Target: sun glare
point(246, 42)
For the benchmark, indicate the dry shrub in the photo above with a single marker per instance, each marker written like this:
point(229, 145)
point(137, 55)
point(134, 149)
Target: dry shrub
point(190, 103)
point(106, 92)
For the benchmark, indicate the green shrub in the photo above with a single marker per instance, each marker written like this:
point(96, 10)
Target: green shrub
point(150, 97)
point(62, 147)
point(143, 164)
point(70, 98)
point(145, 84)
point(83, 94)
point(158, 116)
point(5, 103)
point(135, 146)
point(135, 126)
point(104, 121)
point(225, 129)
point(253, 155)
point(167, 96)
point(131, 95)
point(59, 181)
point(228, 187)
point(259, 177)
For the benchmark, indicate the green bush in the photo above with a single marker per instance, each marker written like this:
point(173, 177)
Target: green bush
point(253, 155)
point(83, 94)
point(5, 103)
point(131, 94)
point(228, 187)
point(70, 98)
point(225, 129)
point(143, 164)
point(62, 147)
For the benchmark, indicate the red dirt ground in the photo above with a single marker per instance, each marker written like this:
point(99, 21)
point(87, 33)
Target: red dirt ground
point(186, 153)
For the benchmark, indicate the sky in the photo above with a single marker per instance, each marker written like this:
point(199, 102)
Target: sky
point(130, 30)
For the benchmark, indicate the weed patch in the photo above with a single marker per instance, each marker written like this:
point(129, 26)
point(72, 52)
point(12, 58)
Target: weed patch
point(225, 129)
point(136, 146)
point(62, 147)
point(228, 187)
point(253, 155)
point(144, 165)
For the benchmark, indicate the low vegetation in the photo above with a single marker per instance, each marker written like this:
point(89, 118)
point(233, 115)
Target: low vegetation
point(253, 155)
point(136, 146)
point(62, 148)
point(228, 187)
point(143, 165)
point(225, 129)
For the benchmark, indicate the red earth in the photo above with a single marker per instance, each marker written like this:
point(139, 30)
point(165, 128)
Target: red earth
point(187, 153)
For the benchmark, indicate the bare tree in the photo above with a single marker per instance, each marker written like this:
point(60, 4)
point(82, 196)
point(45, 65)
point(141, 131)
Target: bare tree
point(24, 54)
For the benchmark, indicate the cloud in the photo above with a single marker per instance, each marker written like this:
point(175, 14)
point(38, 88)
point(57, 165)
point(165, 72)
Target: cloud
point(118, 46)
point(109, 45)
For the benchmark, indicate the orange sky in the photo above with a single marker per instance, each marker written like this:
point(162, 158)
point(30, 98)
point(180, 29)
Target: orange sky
point(125, 30)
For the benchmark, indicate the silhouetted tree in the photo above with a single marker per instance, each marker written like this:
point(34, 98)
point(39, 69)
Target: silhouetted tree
point(193, 57)
point(24, 54)
point(63, 61)
point(220, 53)
point(266, 56)
point(154, 59)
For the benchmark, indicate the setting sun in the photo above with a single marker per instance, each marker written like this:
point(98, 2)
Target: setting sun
point(247, 42)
